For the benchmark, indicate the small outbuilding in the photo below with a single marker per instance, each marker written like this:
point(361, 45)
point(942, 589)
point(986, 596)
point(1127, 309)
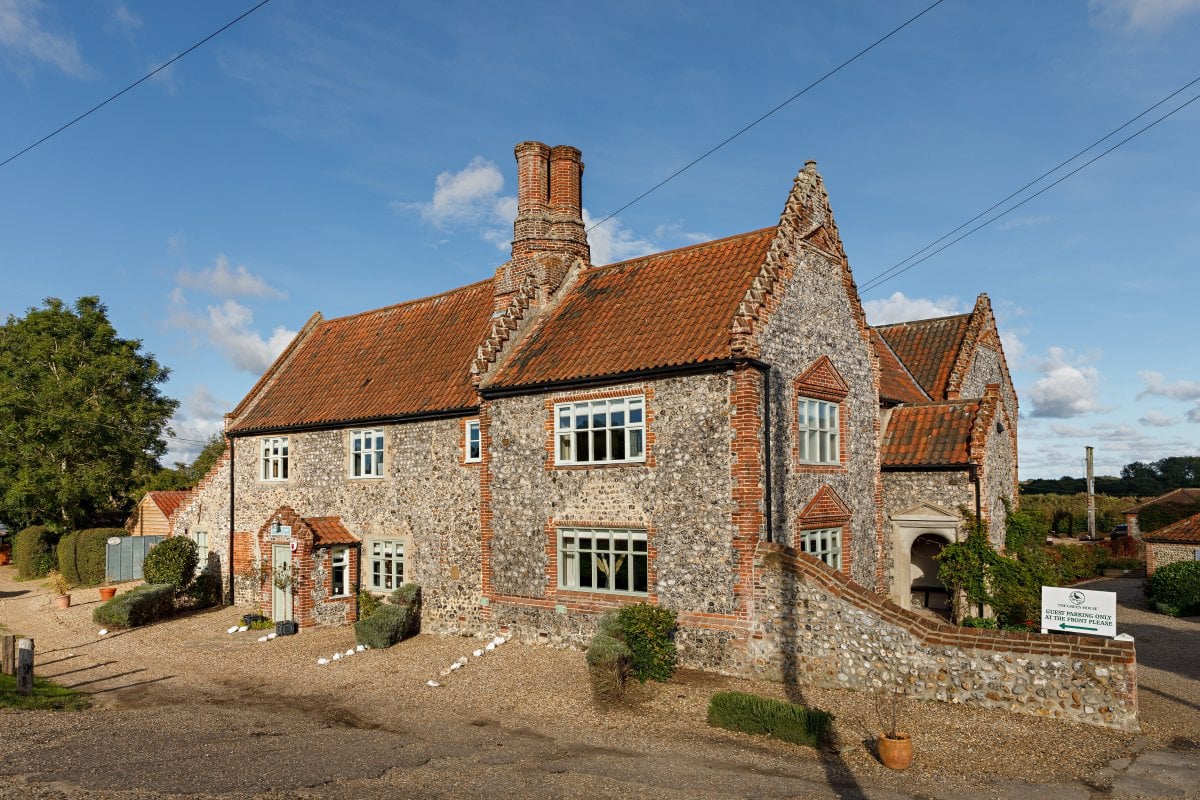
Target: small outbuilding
point(151, 517)
point(1179, 541)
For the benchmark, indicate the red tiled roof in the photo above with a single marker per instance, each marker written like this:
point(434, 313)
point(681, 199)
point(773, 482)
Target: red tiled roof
point(669, 309)
point(931, 434)
point(895, 382)
point(928, 347)
point(1185, 531)
point(405, 359)
point(1175, 497)
point(328, 531)
point(168, 501)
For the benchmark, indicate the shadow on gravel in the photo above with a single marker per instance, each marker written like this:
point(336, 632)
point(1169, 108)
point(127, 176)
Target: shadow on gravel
point(8, 595)
point(88, 643)
point(131, 685)
point(1169, 696)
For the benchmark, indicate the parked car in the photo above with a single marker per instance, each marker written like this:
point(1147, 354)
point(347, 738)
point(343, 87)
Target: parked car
point(1118, 532)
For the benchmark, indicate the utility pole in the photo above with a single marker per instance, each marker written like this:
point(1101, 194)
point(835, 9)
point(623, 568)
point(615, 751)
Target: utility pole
point(1091, 505)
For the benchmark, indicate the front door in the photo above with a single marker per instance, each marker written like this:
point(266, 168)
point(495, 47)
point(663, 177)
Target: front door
point(281, 582)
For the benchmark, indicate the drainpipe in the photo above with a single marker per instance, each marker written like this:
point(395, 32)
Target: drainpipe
point(767, 500)
point(232, 463)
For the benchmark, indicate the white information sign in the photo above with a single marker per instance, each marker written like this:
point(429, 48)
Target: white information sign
point(1079, 611)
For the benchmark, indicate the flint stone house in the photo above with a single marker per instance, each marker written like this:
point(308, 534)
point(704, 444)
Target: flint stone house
point(563, 438)
point(1179, 541)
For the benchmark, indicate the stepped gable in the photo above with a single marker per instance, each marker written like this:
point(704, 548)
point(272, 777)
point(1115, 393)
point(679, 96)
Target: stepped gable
point(928, 435)
point(665, 310)
point(928, 348)
point(896, 383)
point(408, 359)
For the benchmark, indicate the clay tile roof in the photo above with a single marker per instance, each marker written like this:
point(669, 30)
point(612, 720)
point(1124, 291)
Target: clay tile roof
point(928, 347)
point(405, 359)
point(669, 309)
point(1185, 531)
point(1175, 497)
point(328, 531)
point(932, 434)
point(895, 382)
point(167, 502)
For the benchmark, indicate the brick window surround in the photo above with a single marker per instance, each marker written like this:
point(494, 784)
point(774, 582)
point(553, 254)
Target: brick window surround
point(825, 511)
point(644, 392)
point(471, 445)
point(583, 599)
point(821, 382)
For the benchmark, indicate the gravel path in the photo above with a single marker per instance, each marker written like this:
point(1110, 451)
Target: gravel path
point(182, 707)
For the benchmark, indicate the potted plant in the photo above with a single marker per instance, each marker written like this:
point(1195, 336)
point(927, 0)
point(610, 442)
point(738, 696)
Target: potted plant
point(107, 591)
point(894, 745)
point(61, 588)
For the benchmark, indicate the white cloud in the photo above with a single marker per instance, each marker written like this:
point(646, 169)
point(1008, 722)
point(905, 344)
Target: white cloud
point(1193, 414)
point(1065, 389)
point(472, 197)
point(899, 308)
point(1157, 386)
point(1045, 453)
point(22, 35)
point(228, 327)
point(1014, 349)
point(125, 19)
point(1157, 419)
point(613, 242)
point(674, 231)
point(223, 280)
point(199, 416)
point(1149, 16)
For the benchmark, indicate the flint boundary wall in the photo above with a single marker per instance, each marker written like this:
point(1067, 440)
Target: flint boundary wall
point(813, 626)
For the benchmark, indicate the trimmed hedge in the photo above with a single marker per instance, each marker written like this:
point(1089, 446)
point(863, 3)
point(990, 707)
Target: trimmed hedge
point(205, 590)
point(649, 631)
point(140, 606)
point(388, 625)
point(33, 551)
point(81, 555)
point(738, 711)
point(608, 667)
point(1176, 586)
point(173, 561)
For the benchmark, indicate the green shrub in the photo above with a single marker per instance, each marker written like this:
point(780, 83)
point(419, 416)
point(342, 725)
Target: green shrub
point(173, 561)
point(205, 590)
point(407, 594)
point(738, 711)
point(1118, 562)
point(1077, 562)
point(649, 631)
point(263, 624)
point(141, 606)
point(608, 661)
point(368, 604)
point(82, 555)
point(1165, 608)
point(1176, 584)
point(980, 622)
point(388, 625)
point(34, 552)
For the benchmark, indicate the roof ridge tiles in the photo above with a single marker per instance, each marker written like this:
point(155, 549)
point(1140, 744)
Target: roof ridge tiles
point(410, 303)
point(923, 319)
point(677, 250)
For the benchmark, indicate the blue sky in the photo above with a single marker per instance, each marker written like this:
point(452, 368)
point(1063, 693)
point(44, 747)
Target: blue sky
point(340, 157)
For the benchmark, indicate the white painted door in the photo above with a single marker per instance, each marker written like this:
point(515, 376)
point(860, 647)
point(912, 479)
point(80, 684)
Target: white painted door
point(281, 597)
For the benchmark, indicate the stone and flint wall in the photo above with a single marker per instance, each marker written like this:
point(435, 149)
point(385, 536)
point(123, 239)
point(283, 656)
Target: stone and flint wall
point(428, 498)
point(813, 627)
point(1159, 554)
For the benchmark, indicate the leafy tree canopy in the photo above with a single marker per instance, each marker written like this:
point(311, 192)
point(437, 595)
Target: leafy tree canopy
point(81, 415)
point(1139, 479)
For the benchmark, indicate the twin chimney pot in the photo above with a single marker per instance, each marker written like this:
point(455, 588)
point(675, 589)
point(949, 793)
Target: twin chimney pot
point(549, 202)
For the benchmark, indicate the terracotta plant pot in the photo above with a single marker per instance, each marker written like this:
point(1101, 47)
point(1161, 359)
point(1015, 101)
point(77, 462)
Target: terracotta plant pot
point(897, 752)
point(107, 593)
point(4, 556)
point(63, 602)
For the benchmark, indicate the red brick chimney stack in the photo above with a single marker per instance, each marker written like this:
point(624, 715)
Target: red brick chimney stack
point(549, 202)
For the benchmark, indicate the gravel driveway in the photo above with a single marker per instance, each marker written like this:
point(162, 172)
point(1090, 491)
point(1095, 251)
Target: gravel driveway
point(183, 708)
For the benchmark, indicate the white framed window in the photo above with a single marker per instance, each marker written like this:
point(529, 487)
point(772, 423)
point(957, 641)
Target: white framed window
point(339, 571)
point(273, 458)
point(823, 543)
point(600, 431)
point(818, 431)
point(603, 560)
point(386, 564)
point(366, 453)
point(201, 540)
point(472, 441)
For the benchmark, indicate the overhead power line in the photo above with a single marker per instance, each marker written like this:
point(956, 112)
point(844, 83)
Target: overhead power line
point(75, 421)
point(770, 113)
point(899, 267)
point(140, 80)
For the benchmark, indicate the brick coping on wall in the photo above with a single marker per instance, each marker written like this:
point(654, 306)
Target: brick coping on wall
point(931, 632)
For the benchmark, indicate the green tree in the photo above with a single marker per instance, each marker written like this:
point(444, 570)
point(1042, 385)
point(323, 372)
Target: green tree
point(81, 415)
point(182, 476)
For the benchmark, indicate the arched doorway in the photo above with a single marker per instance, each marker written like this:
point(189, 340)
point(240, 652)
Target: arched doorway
point(918, 534)
point(925, 590)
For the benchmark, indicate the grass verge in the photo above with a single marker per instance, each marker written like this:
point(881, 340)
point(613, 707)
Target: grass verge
point(47, 696)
